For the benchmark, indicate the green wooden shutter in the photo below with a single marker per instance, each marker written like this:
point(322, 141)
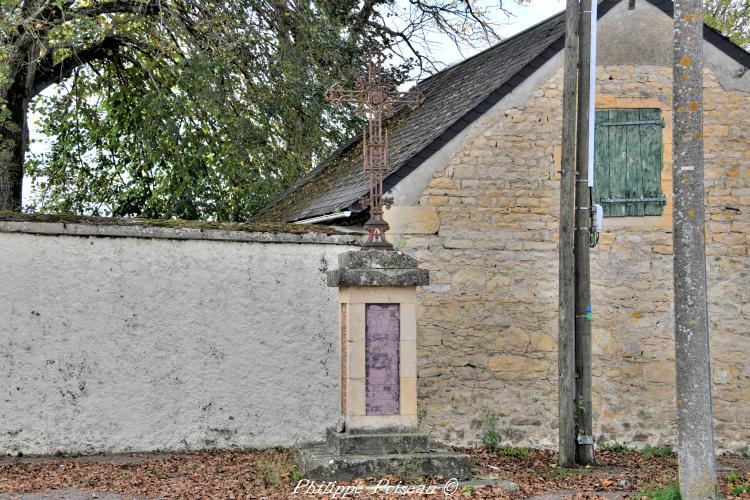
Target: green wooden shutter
point(628, 162)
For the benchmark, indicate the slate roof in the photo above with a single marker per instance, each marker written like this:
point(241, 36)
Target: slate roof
point(454, 98)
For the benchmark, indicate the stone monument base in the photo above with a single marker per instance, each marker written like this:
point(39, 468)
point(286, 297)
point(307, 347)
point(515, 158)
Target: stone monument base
point(377, 431)
point(398, 452)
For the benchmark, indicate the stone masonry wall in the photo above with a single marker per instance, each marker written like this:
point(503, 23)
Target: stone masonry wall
point(488, 321)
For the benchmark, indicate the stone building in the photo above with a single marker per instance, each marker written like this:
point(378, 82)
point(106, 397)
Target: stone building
point(475, 183)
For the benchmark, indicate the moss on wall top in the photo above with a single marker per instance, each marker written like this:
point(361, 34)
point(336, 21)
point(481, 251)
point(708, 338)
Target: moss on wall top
point(258, 227)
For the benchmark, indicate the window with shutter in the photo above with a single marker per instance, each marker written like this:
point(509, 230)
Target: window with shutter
point(628, 162)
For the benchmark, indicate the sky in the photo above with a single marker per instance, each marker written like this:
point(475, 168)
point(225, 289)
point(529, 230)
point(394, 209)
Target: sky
point(521, 17)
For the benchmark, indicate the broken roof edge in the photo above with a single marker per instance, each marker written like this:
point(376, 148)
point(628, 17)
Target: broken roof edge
point(710, 35)
point(305, 178)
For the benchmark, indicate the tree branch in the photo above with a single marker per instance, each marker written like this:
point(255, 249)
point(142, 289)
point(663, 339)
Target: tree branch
point(49, 73)
point(361, 19)
point(144, 7)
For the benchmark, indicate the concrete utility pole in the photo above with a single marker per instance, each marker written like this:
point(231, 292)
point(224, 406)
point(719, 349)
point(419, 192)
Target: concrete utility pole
point(694, 420)
point(585, 440)
point(566, 317)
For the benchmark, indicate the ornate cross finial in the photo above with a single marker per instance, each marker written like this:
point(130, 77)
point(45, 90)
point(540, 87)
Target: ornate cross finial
point(375, 97)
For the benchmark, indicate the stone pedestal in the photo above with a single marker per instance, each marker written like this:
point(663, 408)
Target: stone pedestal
point(377, 430)
point(378, 339)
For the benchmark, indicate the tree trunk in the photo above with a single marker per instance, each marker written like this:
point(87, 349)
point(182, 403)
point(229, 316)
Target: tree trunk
point(14, 135)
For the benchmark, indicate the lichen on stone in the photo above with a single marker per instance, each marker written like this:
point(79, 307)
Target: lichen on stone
point(258, 227)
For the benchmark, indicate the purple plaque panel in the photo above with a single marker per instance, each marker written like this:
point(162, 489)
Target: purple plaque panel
point(382, 335)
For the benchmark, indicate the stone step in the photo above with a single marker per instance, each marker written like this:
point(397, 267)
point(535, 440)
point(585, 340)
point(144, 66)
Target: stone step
point(321, 463)
point(377, 443)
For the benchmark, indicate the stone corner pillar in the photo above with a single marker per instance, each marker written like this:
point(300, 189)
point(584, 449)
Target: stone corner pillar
point(378, 339)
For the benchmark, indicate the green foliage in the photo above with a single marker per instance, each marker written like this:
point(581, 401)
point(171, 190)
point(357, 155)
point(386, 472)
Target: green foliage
point(737, 486)
point(656, 451)
point(188, 108)
point(732, 18)
point(744, 452)
point(206, 124)
point(514, 452)
point(580, 413)
point(491, 438)
point(274, 470)
point(296, 474)
point(615, 447)
point(158, 471)
point(421, 416)
point(739, 489)
point(733, 477)
point(658, 492)
point(493, 441)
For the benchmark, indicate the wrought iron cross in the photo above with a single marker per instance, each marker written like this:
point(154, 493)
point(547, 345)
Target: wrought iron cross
point(375, 98)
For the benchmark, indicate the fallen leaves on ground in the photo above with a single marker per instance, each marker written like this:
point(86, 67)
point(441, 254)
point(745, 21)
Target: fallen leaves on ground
point(272, 474)
point(539, 473)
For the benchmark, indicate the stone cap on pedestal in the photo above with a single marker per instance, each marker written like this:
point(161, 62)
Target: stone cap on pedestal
point(377, 268)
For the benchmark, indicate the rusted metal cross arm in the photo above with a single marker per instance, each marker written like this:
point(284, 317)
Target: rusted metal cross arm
point(375, 99)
